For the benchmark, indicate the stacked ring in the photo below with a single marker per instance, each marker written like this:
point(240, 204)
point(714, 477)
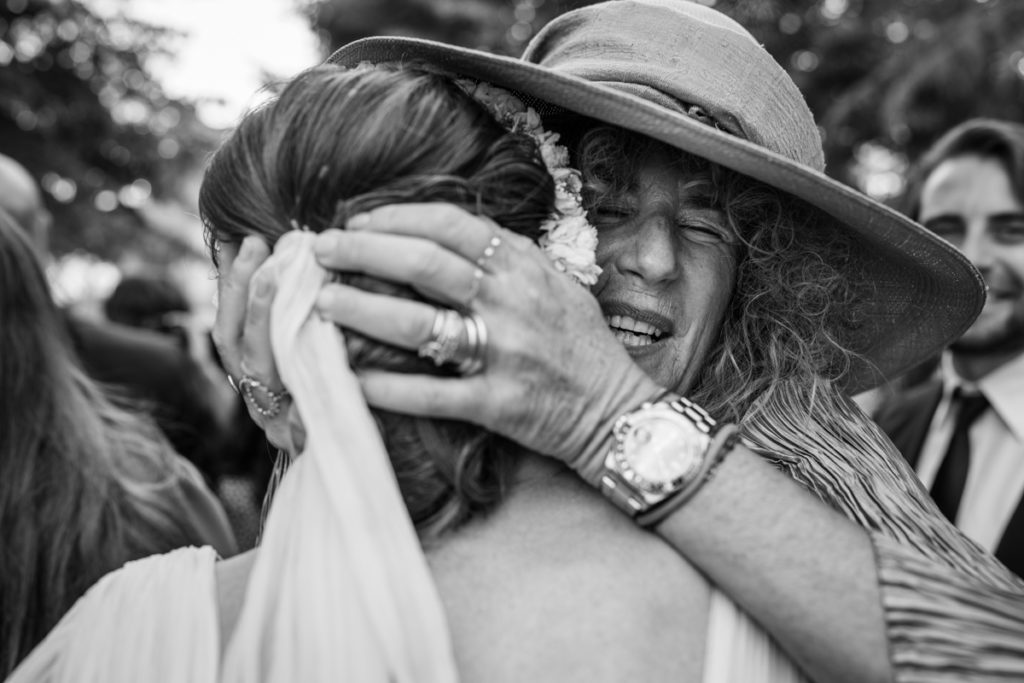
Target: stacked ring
point(444, 337)
point(476, 342)
point(457, 339)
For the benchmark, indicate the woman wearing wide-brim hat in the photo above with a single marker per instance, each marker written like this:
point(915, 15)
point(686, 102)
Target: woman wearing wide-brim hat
point(538, 364)
point(911, 594)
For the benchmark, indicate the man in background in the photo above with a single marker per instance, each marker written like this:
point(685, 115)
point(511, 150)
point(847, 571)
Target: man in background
point(963, 431)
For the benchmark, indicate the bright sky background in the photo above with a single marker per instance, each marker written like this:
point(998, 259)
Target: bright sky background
point(229, 44)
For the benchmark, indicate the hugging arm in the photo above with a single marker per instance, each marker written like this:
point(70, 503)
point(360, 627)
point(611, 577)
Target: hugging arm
point(848, 600)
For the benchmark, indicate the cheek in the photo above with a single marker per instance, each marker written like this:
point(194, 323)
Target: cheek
point(717, 280)
point(608, 247)
point(225, 261)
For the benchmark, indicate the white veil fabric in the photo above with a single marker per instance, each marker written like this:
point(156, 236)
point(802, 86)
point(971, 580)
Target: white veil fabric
point(341, 589)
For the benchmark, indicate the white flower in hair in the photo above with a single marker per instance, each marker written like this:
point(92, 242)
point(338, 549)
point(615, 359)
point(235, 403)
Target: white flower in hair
point(569, 240)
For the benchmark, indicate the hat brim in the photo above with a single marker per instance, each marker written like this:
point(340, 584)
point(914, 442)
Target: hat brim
point(926, 293)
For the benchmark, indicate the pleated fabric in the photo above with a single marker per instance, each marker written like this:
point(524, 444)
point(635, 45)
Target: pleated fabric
point(953, 612)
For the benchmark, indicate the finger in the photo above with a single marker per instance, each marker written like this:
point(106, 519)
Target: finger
point(423, 395)
point(429, 268)
point(235, 270)
point(257, 355)
point(449, 226)
point(400, 322)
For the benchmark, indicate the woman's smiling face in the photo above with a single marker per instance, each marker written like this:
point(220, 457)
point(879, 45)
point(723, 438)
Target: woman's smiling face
point(669, 259)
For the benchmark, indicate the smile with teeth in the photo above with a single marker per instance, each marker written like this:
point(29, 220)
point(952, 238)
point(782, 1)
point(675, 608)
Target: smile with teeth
point(632, 332)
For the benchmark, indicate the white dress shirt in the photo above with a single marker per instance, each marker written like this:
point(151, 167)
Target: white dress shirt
point(995, 479)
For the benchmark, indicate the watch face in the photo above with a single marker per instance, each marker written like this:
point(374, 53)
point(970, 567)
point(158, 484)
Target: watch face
point(660, 450)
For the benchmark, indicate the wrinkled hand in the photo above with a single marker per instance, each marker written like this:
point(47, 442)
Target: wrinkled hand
point(555, 376)
point(241, 332)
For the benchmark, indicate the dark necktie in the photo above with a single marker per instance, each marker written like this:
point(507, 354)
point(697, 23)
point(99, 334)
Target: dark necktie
point(949, 483)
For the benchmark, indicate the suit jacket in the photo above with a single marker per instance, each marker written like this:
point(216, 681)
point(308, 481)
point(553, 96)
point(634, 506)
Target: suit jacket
point(906, 417)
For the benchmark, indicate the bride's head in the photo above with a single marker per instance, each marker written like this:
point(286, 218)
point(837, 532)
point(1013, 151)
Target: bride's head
point(336, 143)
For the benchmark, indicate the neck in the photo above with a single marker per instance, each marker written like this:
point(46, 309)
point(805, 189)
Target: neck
point(973, 367)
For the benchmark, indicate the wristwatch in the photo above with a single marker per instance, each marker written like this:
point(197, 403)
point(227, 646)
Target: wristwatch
point(660, 449)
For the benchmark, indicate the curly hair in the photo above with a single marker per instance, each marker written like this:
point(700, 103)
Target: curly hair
point(791, 294)
point(337, 142)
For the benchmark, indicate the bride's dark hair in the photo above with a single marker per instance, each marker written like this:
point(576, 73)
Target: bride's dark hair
point(337, 142)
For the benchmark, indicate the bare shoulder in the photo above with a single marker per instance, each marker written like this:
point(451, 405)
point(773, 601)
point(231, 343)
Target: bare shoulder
point(560, 586)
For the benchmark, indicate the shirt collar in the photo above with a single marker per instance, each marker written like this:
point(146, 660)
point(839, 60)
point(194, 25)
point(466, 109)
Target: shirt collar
point(1003, 387)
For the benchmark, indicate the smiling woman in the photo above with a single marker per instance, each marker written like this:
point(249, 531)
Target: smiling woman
point(722, 263)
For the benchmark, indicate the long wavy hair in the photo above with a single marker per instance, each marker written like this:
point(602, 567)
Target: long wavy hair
point(791, 298)
point(78, 471)
point(337, 142)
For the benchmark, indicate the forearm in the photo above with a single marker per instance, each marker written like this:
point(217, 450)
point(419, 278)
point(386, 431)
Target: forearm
point(815, 590)
point(948, 608)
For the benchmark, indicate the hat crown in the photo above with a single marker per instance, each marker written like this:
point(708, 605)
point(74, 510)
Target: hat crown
point(687, 58)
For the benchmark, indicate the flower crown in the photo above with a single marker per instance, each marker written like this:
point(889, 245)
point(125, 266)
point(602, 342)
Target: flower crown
point(568, 238)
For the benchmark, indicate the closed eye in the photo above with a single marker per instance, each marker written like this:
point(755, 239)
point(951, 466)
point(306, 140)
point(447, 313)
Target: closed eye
point(706, 225)
point(610, 213)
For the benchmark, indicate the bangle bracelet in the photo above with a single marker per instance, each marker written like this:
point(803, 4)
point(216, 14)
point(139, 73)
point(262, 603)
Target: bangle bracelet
point(725, 440)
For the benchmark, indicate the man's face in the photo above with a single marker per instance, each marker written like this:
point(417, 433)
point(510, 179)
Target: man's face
point(669, 261)
point(969, 201)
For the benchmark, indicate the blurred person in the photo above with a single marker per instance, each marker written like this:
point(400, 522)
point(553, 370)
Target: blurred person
point(963, 431)
point(150, 303)
point(240, 463)
point(87, 485)
point(541, 577)
point(147, 366)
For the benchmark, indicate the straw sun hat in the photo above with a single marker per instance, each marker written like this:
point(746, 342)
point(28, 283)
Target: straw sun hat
point(642, 64)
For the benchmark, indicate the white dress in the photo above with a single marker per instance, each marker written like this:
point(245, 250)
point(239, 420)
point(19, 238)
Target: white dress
point(155, 620)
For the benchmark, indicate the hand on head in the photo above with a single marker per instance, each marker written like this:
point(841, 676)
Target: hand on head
point(242, 335)
point(555, 376)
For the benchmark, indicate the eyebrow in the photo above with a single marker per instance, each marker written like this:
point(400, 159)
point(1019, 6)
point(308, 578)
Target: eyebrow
point(701, 194)
point(995, 218)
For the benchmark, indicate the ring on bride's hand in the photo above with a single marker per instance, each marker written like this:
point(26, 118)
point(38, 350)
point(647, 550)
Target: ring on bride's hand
point(489, 250)
point(457, 339)
point(262, 398)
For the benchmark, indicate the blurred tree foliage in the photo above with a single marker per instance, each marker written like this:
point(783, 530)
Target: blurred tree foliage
point(892, 74)
point(80, 110)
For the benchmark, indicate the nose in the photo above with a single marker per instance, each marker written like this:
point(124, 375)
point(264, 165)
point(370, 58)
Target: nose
point(653, 254)
point(977, 246)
